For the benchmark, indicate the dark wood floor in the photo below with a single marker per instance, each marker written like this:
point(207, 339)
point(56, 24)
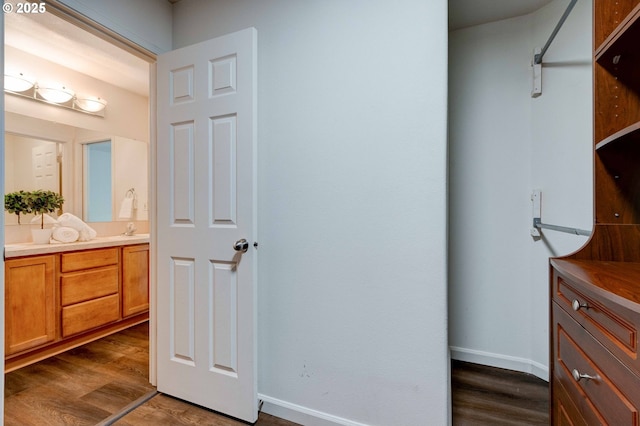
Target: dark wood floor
point(484, 395)
point(88, 385)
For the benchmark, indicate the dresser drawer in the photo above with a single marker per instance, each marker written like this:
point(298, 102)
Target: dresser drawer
point(88, 259)
point(86, 285)
point(565, 412)
point(613, 325)
point(611, 396)
point(91, 314)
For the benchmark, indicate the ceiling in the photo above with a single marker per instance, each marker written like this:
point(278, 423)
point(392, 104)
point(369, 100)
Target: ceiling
point(53, 39)
point(466, 13)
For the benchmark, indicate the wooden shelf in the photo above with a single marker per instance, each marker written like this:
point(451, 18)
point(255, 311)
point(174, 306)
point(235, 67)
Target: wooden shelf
point(620, 280)
point(622, 41)
point(630, 133)
point(610, 17)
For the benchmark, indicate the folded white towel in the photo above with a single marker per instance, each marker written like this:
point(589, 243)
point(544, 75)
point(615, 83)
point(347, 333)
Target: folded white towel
point(65, 234)
point(126, 208)
point(86, 232)
point(48, 220)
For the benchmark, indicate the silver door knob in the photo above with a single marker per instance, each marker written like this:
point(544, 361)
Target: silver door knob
point(241, 245)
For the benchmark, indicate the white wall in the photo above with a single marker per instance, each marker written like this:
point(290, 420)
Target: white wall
point(145, 22)
point(127, 113)
point(562, 160)
point(352, 204)
point(130, 162)
point(503, 144)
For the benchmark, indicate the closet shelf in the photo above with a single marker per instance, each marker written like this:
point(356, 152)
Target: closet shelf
point(630, 133)
point(623, 42)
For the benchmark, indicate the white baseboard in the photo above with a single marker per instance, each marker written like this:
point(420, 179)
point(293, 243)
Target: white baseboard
point(301, 415)
point(501, 361)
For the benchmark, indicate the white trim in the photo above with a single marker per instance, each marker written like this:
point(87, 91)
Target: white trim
point(115, 31)
point(501, 361)
point(302, 415)
point(153, 224)
point(2, 236)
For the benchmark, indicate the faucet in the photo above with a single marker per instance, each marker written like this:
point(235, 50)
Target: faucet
point(131, 228)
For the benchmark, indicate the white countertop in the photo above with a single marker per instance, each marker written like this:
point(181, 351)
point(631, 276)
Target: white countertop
point(31, 249)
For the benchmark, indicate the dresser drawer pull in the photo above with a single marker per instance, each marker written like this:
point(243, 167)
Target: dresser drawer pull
point(578, 376)
point(577, 305)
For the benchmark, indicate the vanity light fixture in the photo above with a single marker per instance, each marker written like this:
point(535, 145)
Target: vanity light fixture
point(55, 92)
point(90, 103)
point(16, 83)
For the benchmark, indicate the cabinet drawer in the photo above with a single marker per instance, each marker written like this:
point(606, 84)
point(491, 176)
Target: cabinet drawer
point(87, 315)
point(612, 396)
point(88, 259)
point(565, 413)
point(613, 325)
point(86, 285)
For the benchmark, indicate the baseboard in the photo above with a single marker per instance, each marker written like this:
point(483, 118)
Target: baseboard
point(301, 415)
point(501, 361)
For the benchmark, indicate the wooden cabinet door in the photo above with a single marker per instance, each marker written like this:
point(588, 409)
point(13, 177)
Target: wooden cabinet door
point(30, 303)
point(135, 279)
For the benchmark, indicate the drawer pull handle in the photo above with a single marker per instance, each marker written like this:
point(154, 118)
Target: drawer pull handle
point(579, 376)
point(577, 305)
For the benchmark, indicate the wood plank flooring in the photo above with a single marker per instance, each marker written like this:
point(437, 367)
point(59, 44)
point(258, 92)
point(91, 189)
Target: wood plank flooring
point(86, 385)
point(484, 395)
point(89, 384)
point(81, 386)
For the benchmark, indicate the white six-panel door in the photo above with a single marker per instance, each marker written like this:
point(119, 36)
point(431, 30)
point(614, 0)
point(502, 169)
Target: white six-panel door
point(206, 180)
point(44, 167)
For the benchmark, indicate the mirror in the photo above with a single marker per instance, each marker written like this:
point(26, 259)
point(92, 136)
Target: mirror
point(30, 164)
point(41, 154)
point(98, 181)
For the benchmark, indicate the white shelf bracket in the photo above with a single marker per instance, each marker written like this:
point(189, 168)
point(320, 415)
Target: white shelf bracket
point(536, 63)
point(536, 197)
point(536, 89)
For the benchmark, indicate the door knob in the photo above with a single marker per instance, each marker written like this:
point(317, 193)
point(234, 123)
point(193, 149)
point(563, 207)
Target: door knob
point(577, 376)
point(241, 245)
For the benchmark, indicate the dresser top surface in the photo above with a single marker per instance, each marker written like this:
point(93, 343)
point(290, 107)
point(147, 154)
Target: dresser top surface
point(614, 280)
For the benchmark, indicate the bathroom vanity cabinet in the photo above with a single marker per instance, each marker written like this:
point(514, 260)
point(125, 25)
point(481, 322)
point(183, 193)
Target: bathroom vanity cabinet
point(135, 279)
point(89, 289)
point(595, 292)
point(58, 301)
point(30, 303)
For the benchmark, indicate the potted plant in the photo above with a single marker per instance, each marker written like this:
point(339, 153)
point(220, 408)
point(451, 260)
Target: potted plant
point(16, 203)
point(41, 202)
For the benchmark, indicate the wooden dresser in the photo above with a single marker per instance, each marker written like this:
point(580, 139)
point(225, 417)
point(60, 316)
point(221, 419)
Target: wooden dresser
point(595, 292)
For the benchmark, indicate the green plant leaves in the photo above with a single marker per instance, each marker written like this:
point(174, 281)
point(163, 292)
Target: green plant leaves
point(38, 202)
